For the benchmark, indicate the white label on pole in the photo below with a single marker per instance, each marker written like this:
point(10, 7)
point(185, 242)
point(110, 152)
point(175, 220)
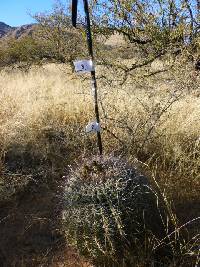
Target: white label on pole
point(93, 127)
point(93, 91)
point(82, 66)
point(93, 88)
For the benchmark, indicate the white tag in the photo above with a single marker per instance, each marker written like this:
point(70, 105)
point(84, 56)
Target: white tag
point(93, 127)
point(82, 66)
point(93, 91)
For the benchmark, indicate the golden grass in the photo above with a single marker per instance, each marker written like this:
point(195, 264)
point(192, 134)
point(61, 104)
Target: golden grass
point(153, 123)
point(133, 118)
point(27, 98)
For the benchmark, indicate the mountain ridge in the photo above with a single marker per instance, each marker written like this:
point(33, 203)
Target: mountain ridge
point(4, 29)
point(15, 32)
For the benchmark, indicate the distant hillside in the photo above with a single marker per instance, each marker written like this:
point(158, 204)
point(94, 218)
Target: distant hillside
point(21, 31)
point(5, 29)
point(16, 32)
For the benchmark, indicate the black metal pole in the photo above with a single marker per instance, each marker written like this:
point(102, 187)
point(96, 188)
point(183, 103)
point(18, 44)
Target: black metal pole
point(93, 75)
point(74, 12)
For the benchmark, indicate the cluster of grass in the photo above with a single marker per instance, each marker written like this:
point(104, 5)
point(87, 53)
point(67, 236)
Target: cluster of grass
point(153, 125)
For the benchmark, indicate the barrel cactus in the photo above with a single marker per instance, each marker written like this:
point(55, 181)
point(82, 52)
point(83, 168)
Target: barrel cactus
point(108, 208)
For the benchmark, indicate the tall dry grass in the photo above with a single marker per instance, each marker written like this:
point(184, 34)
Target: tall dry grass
point(158, 123)
point(38, 99)
point(153, 123)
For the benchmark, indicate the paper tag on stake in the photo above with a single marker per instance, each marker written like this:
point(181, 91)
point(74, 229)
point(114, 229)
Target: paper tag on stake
point(93, 89)
point(82, 66)
point(93, 127)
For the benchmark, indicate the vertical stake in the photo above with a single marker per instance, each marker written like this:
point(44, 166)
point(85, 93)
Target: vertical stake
point(93, 74)
point(90, 50)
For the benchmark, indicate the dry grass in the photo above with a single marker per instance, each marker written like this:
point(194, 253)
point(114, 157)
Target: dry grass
point(154, 124)
point(158, 123)
point(28, 100)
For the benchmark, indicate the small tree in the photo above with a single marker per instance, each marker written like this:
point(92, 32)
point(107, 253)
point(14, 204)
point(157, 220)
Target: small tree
point(159, 24)
point(55, 30)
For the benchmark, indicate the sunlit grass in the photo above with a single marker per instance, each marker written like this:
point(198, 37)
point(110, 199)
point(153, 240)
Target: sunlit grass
point(155, 127)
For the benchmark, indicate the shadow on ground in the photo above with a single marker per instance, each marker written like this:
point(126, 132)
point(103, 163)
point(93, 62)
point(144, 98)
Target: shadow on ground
point(30, 213)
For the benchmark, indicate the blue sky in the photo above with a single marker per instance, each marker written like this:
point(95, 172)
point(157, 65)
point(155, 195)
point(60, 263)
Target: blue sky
point(15, 12)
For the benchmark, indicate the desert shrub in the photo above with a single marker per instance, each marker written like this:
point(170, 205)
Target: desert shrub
point(24, 52)
point(110, 209)
point(55, 29)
